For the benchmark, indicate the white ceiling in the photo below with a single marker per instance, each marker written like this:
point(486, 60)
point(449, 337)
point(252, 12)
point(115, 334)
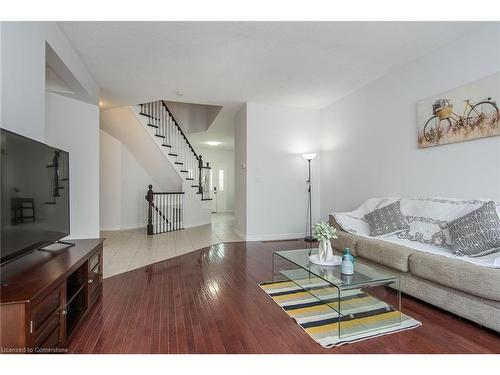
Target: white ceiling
point(301, 64)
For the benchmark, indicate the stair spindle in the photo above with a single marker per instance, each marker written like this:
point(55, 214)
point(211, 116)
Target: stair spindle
point(155, 106)
point(162, 115)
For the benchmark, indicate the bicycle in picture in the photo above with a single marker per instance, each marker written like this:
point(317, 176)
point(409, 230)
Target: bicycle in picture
point(477, 116)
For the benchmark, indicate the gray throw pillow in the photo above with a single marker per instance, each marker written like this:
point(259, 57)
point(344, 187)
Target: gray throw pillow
point(387, 220)
point(477, 233)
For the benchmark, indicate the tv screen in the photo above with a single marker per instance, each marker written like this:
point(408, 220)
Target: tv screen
point(35, 194)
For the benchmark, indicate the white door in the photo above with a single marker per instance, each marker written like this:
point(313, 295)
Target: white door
point(219, 200)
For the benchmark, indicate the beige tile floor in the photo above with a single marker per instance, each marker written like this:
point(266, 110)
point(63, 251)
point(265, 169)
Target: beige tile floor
point(130, 249)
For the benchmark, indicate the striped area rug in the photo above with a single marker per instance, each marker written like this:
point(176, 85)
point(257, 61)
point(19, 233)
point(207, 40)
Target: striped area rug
point(362, 315)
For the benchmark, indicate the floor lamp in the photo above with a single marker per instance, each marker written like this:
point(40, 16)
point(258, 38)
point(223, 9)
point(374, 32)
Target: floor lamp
point(309, 237)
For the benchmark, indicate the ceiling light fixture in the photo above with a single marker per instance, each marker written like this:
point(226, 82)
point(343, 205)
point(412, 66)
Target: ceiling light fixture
point(213, 143)
point(179, 93)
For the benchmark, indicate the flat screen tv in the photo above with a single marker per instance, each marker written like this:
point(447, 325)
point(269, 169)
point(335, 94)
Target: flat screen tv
point(35, 195)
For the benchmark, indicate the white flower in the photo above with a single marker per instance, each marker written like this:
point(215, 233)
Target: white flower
point(323, 231)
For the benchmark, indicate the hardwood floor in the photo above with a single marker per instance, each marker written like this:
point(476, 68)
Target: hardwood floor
point(209, 301)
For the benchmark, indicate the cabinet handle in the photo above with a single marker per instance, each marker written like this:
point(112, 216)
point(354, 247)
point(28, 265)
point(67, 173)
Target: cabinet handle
point(91, 281)
point(63, 312)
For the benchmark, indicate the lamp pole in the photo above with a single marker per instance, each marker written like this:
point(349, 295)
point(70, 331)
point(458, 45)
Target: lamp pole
point(309, 237)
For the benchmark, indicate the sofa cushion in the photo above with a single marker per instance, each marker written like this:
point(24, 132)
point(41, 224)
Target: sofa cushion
point(479, 281)
point(383, 252)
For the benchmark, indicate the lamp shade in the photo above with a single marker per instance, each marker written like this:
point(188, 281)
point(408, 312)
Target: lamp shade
point(309, 156)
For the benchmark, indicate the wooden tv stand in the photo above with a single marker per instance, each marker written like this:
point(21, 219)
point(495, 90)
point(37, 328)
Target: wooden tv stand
point(48, 294)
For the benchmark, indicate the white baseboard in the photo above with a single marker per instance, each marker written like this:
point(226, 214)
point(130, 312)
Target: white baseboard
point(133, 226)
point(242, 235)
point(110, 229)
point(275, 237)
point(127, 227)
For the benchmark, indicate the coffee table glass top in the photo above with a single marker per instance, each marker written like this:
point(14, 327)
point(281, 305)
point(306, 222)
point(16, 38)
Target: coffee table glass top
point(363, 274)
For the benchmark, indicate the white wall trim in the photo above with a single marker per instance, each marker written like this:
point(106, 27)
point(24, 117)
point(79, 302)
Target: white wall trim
point(133, 226)
point(240, 234)
point(275, 237)
point(127, 227)
point(110, 228)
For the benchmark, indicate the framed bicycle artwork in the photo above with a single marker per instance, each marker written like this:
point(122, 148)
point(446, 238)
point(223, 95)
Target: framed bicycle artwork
point(462, 114)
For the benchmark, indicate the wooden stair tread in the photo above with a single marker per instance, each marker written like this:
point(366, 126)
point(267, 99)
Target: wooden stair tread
point(145, 114)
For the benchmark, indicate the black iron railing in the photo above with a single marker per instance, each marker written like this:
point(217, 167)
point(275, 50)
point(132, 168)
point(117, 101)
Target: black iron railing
point(165, 211)
point(187, 161)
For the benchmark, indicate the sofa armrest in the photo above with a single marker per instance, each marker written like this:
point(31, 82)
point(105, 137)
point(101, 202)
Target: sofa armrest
point(334, 223)
point(345, 239)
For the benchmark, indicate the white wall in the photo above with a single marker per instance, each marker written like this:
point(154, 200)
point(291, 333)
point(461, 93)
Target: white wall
point(110, 182)
point(23, 74)
point(135, 181)
point(23, 79)
point(123, 185)
point(74, 126)
point(240, 172)
point(27, 109)
point(222, 159)
point(276, 138)
point(369, 138)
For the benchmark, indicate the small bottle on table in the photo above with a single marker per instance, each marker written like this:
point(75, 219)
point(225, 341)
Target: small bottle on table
point(347, 267)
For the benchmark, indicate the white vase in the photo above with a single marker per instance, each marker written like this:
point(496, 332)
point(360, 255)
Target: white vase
point(325, 251)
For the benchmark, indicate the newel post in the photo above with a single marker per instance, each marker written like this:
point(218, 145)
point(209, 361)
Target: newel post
point(149, 198)
point(200, 166)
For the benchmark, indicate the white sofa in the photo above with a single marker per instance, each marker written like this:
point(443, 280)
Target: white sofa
point(421, 257)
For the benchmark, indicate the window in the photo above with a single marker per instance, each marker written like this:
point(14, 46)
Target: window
point(210, 181)
point(221, 179)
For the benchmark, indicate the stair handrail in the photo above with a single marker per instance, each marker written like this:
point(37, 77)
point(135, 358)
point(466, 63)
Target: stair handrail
point(180, 129)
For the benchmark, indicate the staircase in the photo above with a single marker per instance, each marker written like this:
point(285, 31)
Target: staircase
point(166, 209)
point(181, 178)
point(187, 162)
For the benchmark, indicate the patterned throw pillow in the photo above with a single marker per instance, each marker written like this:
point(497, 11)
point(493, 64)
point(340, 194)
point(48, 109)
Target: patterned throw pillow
point(477, 233)
point(387, 220)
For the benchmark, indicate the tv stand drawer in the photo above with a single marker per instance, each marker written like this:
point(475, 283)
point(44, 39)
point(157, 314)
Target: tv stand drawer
point(46, 309)
point(48, 317)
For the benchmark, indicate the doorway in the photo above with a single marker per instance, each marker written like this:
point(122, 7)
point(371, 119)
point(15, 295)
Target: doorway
point(219, 188)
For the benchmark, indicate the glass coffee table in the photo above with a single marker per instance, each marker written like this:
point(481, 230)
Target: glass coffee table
point(359, 303)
